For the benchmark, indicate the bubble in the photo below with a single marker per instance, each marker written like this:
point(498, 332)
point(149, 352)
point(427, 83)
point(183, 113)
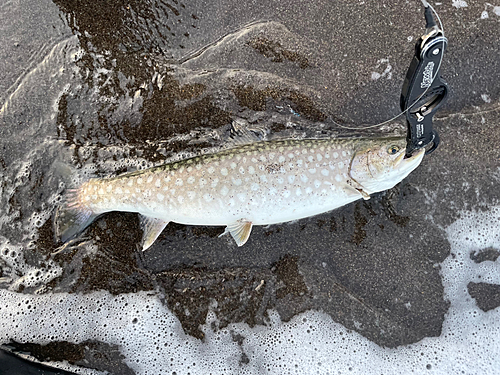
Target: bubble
point(152, 341)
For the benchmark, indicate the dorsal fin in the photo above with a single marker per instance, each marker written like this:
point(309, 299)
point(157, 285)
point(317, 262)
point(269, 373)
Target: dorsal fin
point(240, 134)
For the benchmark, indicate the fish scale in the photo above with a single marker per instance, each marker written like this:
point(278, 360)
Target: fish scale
point(231, 185)
point(258, 184)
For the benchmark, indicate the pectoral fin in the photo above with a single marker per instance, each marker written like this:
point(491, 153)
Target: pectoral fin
point(240, 231)
point(364, 194)
point(152, 227)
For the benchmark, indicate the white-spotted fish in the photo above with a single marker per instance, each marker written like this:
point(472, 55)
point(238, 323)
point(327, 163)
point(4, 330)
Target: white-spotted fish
point(256, 184)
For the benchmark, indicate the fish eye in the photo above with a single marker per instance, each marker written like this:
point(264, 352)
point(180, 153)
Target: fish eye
point(393, 150)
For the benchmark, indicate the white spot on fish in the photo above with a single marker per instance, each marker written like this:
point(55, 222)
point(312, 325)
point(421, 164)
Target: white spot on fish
point(281, 159)
point(233, 165)
point(207, 197)
point(254, 160)
point(203, 182)
point(335, 155)
point(286, 193)
point(214, 183)
point(280, 180)
point(139, 180)
point(160, 197)
point(211, 170)
point(189, 169)
point(198, 166)
point(224, 171)
point(224, 190)
point(325, 172)
point(272, 155)
point(262, 158)
point(118, 190)
point(242, 170)
point(317, 183)
point(263, 178)
point(319, 157)
point(291, 179)
point(109, 188)
point(272, 191)
point(309, 190)
point(298, 192)
point(158, 183)
point(167, 179)
point(237, 181)
point(251, 170)
point(254, 186)
point(241, 196)
point(338, 178)
point(300, 162)
point(101, 191)
point(191, 180)
point(179, 182)
point(191, 195)
point(290, 155)
point(150, 179)
point(180, 198)
point(341, 165)
point(231, 202)
point(304, 178)
point(343, 153)
point(312, 170)
point(310, 159)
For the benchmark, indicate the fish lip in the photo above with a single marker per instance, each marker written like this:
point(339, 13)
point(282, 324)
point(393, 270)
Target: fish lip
point(409, 163)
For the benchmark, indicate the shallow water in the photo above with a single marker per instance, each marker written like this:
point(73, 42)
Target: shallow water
point(407, 281)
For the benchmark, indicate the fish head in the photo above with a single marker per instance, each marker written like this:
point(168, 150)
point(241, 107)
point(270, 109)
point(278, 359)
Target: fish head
point(380, 164)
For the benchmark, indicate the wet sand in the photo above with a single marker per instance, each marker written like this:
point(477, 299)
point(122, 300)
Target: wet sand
point(152, 81)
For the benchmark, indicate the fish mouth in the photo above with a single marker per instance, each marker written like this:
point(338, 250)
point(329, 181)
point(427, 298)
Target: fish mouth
point(406, 165)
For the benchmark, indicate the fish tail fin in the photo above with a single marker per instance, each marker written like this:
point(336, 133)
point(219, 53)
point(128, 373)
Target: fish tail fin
point(72, 216)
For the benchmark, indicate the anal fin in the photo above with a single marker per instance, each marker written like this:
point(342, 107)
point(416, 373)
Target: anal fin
point(240, 231)
point(151, 227)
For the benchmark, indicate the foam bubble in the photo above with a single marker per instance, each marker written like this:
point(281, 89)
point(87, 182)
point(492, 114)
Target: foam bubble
point(20, 273)
point(152, 341)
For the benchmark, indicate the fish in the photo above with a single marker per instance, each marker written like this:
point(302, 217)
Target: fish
point(261, 183)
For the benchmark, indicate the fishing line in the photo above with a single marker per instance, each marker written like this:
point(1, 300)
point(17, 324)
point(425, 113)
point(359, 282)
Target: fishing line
point(426, 5)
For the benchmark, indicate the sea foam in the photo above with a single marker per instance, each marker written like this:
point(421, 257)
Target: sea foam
point(152, 340)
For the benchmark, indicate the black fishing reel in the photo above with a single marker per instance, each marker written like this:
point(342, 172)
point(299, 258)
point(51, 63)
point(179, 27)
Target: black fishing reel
point(424, 91)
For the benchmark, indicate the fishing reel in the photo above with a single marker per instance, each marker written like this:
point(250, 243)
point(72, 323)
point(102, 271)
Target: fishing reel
point(424, 91)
